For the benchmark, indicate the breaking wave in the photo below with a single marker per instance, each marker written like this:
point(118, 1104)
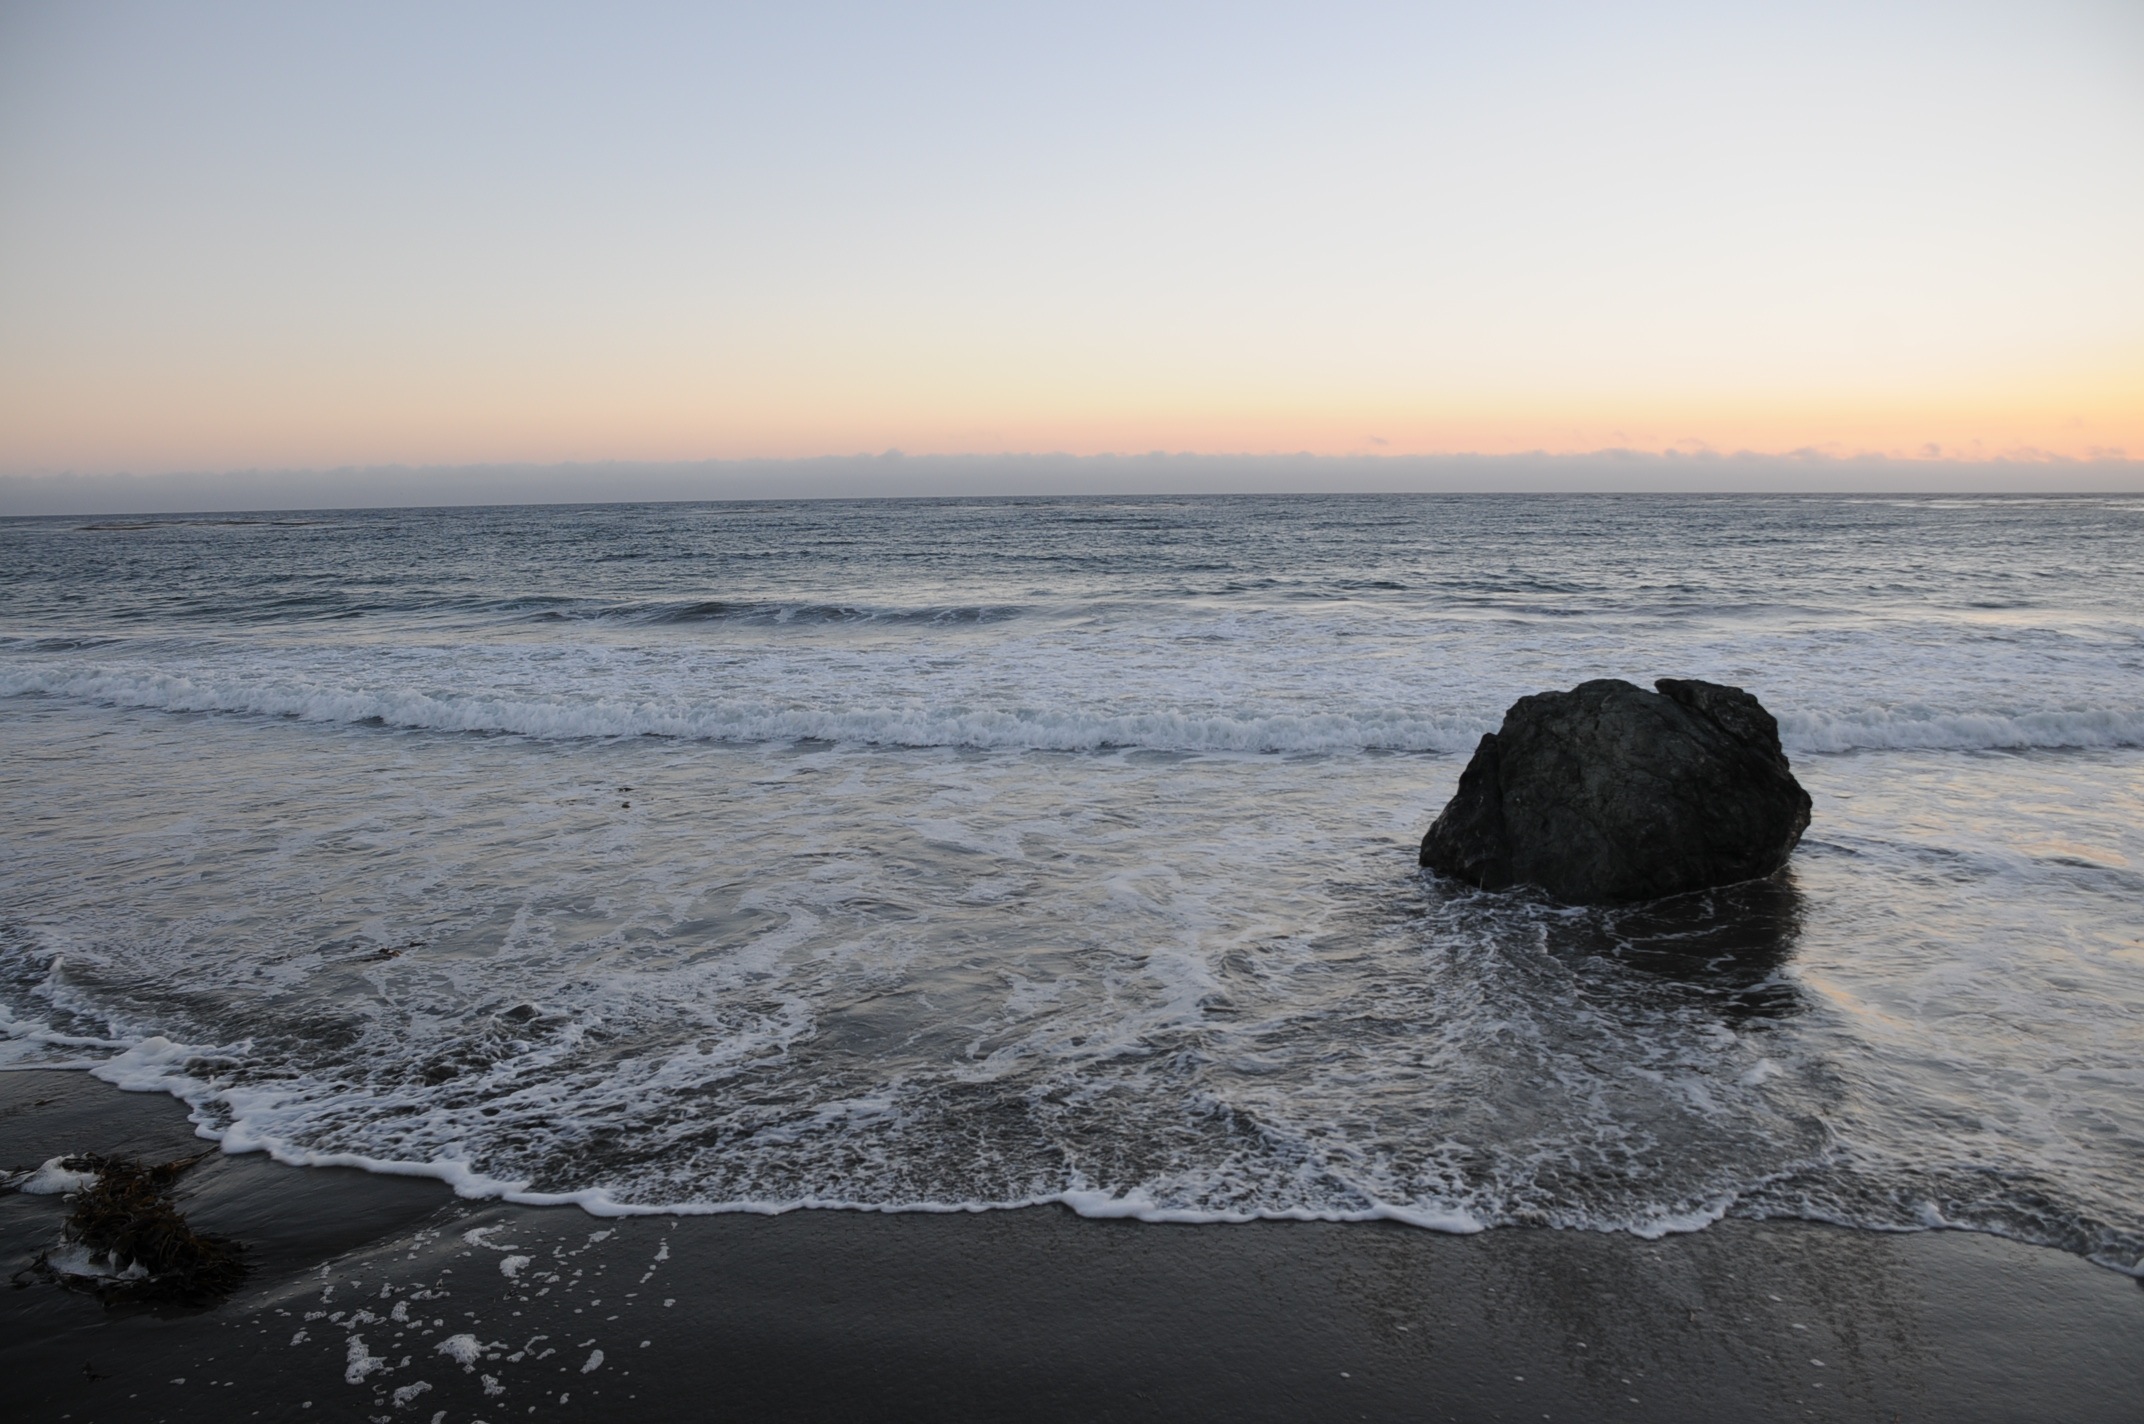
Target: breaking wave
point(919, 724)
point(915, 725)
point(1923, 729)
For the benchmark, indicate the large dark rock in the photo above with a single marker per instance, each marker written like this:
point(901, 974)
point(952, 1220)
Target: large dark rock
point(1611, 793)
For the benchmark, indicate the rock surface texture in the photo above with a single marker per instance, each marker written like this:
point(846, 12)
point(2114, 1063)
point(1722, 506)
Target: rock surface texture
point(1609, 793)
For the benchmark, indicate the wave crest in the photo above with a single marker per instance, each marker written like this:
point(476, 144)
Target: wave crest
point(1072, 729)
point(1924, 729)
point(907, 725)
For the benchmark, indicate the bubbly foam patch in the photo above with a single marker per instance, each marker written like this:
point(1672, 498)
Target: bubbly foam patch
point(1166, 989)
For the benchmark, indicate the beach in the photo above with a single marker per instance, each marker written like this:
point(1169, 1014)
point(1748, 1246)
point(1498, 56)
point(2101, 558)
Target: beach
point(1029, 713)
point(1033, 1313)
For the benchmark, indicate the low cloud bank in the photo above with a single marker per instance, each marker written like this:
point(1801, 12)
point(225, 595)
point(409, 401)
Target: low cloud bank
point(892, 475)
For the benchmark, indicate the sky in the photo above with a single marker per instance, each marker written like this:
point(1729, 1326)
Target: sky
point(239, 237)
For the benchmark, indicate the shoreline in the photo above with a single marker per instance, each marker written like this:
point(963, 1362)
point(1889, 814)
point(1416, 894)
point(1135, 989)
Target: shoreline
point(598, 1203)
point(376, 1296)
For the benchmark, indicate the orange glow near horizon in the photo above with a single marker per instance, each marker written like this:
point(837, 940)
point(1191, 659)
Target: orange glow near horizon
point(295, 426)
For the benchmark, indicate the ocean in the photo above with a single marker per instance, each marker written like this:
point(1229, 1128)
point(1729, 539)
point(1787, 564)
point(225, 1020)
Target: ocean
point(943, 855)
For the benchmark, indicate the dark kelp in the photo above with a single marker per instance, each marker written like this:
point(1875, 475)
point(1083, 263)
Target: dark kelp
point(127, 1221)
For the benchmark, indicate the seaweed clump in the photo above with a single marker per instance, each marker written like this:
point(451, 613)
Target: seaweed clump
point(127, 1243)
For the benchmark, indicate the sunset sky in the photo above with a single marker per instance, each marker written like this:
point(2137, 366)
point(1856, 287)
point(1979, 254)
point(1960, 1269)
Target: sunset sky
point(272, 236)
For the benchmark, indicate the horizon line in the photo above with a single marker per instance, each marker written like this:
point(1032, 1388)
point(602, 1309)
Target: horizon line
point(893, 474)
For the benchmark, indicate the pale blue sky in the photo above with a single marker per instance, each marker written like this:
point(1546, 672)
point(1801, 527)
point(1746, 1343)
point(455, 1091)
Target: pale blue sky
point(278, 235)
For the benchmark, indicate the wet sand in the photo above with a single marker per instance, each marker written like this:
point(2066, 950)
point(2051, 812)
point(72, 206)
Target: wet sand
point(359, 1281)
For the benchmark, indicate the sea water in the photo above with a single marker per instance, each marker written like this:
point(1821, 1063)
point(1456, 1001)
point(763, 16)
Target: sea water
point(941, 855)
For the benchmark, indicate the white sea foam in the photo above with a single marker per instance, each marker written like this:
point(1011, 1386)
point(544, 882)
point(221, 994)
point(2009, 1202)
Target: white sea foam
point(1279, 1034)
point(465, 1350)
point(33, 1044)
point(361, 1363)
point(80, 1262)
point(55, 1178)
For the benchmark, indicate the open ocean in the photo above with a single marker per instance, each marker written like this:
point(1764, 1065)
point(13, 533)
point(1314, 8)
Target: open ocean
point(951, 854)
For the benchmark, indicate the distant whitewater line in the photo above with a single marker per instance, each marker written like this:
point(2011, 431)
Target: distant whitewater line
point(1033, 729)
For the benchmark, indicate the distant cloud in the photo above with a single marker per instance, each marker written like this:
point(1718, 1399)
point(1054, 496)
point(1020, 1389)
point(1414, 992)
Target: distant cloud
point(983, 476)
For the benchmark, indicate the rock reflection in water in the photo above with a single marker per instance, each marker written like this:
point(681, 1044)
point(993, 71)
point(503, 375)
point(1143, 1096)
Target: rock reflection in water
point(1732, 943)
point(1730, 946)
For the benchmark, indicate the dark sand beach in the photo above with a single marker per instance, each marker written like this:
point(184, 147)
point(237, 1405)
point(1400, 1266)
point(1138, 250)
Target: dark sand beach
point(359, 1281)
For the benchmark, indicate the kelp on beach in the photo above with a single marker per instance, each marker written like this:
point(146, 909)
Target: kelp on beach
point(127, 1242)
